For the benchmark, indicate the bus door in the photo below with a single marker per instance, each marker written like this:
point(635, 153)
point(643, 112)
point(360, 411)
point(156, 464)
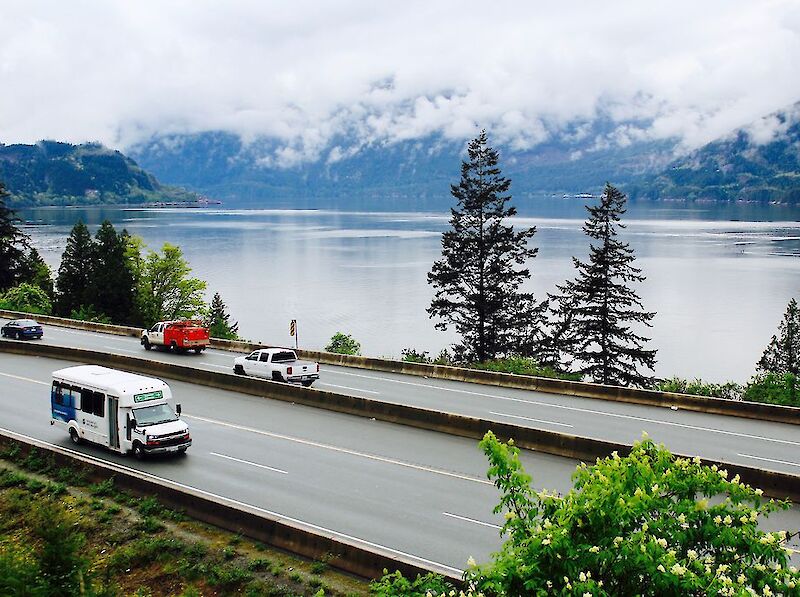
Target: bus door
point(113, 423)
point(92, 417)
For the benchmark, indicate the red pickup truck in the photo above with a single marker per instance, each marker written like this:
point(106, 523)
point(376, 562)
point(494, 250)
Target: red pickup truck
point(179, 336)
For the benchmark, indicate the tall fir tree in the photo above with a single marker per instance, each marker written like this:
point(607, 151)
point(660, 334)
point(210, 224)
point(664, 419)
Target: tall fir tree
point(557, 343)
point(37, 272)
point(12, 244)
point(602, 309)
point(477, 281)
point(782, 354)
point(73, 284)
point(112, 286)
point(218, 320)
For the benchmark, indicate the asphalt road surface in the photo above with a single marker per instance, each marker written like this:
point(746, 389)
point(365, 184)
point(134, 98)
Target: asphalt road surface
point(758, 444)
point(407, 492)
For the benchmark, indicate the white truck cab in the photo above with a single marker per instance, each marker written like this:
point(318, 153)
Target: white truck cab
point(123, 411)
point(277, 364)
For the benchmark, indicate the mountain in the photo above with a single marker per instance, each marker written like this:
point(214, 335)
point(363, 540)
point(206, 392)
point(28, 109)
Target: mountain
point(760, 163)
point(396, 174)
point(53, 173)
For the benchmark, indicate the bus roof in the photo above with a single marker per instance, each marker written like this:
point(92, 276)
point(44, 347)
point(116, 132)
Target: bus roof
point(120, 382)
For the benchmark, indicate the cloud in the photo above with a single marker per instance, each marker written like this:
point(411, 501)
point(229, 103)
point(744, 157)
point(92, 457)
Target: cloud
point(308, 74)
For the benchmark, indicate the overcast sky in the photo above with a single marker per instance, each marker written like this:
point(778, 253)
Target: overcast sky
point(304, 71)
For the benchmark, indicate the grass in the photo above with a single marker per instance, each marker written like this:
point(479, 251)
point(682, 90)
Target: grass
point(131, 545)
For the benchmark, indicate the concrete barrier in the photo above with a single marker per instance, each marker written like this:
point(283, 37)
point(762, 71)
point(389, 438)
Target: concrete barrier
point(718, 406)
point(231, 515)
point(777, 484)
point(89, 326)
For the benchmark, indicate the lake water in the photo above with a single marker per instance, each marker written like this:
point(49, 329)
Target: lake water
point(718, 276)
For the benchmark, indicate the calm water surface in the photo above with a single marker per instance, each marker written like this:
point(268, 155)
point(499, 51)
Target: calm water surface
point(718, 276)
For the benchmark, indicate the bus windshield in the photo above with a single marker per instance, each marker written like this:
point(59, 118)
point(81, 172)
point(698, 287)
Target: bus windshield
point(153, 415)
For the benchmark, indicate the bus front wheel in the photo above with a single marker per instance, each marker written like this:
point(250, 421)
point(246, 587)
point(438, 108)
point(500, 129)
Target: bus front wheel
point(138, 451)
point(73, 435)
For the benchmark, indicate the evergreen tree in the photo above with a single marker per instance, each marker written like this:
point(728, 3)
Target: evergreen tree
point(73, 284)
point(112, 285)
point(477, 281)
point(557, 342)
point(601, 307)
point(12, 243)
point(782, 355)
point(218, 320)
point(37, 272)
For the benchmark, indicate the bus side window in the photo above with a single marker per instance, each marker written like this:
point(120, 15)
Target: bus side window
point(86, 400)
point(99, 404)
point(58, 396)
point(69, 396)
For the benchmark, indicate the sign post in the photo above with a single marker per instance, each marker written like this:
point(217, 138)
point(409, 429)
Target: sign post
point(293, 332)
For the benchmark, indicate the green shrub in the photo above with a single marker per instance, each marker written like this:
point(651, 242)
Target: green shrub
point(342, 343)
point(698, 387)
point(9, 478)
point(19, 573)
point(684, 527)
point(143, 551)
point(104, 488)
point(89, 313)
point(26, 298)
point(412, 355)
point(522, 366)
point(150, 525)
point(392, 585)
point(227, 576)
point(773, 388)
point(150, 506)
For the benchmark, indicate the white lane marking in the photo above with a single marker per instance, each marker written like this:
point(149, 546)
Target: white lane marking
point(44, 383)
point(269, 468)
point(769, 460)
point(238, 503)
point(480, 522)
point(227, 367)
point(123, 349)
point(491, 412)
point(341, 450)
point(581, 410)
point(330, 385)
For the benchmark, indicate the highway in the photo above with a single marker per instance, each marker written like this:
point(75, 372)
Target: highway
point(737, 440)
point(407, 492)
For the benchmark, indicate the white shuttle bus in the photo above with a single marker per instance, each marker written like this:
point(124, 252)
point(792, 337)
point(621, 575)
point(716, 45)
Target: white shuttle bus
point(122, 411)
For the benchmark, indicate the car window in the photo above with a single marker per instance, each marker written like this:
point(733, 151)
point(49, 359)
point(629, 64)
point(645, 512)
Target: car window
point(253, 356)
point(283, 357)
point(154, 328)
point(264, 358)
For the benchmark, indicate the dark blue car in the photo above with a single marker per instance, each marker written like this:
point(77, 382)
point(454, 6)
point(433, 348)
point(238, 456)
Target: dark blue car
point(21, 329)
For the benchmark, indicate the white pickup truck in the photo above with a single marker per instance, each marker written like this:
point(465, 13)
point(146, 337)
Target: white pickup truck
point(277, 364)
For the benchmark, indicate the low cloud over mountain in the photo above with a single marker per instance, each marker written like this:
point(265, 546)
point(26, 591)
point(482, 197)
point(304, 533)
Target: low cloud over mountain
point(318, 82)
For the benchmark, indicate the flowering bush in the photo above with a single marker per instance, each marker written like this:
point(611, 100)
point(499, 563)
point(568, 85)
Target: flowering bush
point(644, 524)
